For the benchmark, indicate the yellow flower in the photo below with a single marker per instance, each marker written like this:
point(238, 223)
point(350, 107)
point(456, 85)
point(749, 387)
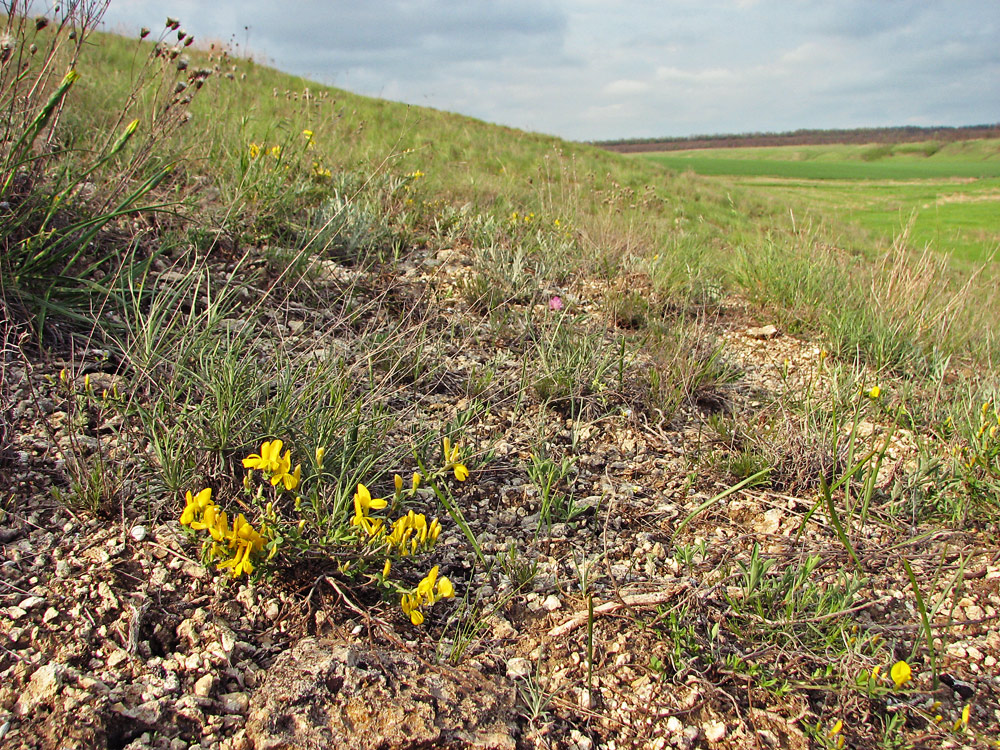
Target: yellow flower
point(900, 673)
point(240, 564)
point(275, 151)
point(291, 481)
point(410, 605)
point(195, 505)
point(835, 729)
point(269, 459)
point(875, 671)
point(874, 393)
point(320, 453)
point(415, 482)
point(254, 150)
point(220, 529)
point(451, 460)
point(308, 134)
point(364, 502)
point(445, 589)
point(386, 568)
point(398, 482)
point(425, 588)
point(207, 518)
point(244, 533)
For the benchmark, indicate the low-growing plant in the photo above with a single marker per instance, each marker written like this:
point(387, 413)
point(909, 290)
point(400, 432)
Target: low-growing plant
point(292, 522)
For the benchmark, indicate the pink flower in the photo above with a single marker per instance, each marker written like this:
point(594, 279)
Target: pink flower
point(556, 303)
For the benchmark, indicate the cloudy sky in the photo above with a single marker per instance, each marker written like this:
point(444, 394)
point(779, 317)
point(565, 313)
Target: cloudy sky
point(601, 69)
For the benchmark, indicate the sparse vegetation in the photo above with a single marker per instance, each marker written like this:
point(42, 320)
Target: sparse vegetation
point(675, 511)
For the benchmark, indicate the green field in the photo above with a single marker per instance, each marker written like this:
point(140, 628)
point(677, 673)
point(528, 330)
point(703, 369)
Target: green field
point(945, 196)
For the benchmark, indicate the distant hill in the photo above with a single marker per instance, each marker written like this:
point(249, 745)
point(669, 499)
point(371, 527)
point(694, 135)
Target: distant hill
point(804, 138)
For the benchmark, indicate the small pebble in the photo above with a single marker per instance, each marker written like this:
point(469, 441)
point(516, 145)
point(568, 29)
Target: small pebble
point(138, 533)
point(204, 686)
point(715, 732)
point(518, 667)
point(235, 703)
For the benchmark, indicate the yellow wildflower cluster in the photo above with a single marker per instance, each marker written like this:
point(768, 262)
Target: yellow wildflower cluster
point(983, 451)
point(256, 149)
point(238, 544)
point(988, 423)
point(411, 533)
point(277, 467)
point(428, 591)
point(320, 172)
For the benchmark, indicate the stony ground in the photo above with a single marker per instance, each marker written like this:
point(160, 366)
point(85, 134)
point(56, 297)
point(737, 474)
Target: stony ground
point(594, 632)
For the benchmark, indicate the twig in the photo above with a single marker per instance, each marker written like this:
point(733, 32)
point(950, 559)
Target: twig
point(935, 626)
point(135, 624)
point(384, 626)
point(173, 552)
point(818, 618)
point(633, 600)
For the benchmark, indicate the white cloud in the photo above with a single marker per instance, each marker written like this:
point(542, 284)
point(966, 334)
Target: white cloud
point(608, 68)
point(625, 87)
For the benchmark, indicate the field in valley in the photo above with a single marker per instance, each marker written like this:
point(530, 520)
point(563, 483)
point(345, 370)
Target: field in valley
point(943, 195)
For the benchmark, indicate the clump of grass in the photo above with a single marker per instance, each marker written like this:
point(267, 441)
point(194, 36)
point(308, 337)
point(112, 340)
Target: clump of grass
point(688, 367)
point(67, 195)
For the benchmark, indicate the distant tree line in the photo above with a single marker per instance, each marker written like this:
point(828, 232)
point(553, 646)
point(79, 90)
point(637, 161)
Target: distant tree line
point(805, 138)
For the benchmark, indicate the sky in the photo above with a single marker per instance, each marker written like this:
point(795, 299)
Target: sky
point(609, 69)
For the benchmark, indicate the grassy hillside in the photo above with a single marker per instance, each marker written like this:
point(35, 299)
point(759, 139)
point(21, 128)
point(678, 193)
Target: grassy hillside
point(631, 452)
